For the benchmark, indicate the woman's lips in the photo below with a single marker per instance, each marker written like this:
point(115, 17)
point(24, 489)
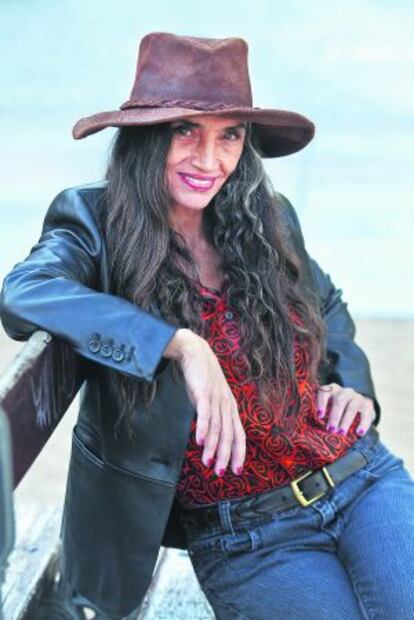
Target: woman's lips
point(199, 184)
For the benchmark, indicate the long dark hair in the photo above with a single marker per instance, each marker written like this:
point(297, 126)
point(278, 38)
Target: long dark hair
point(150, 263)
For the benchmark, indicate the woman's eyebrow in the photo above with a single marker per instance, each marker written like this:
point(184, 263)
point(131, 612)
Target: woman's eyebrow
point(192, 124)
point(238, 126)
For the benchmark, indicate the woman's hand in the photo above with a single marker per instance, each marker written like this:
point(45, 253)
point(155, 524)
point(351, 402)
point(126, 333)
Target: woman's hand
point(346, 403)
point(219, 427)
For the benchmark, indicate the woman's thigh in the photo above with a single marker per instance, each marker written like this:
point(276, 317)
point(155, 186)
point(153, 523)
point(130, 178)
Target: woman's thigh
point(348, 555)
point(294, 586)
point(285, 569)
point(377, 540)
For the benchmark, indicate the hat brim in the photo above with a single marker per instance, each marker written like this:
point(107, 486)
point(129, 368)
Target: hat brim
point(275, 132)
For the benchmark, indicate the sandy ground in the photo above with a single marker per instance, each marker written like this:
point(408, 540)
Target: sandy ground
point(387, 344)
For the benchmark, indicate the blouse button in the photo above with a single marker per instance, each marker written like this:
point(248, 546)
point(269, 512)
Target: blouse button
point(228, 315)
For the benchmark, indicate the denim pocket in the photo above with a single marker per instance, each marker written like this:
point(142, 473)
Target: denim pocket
point(202, 540)
point(207, 557)
point(205, 544)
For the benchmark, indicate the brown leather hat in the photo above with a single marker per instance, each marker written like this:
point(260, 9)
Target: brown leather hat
point(178, 76)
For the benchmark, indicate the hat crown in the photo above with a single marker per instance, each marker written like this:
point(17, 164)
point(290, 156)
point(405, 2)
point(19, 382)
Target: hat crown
point(172, 67)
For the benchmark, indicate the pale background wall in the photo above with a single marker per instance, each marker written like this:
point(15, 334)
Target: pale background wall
point(346, 65)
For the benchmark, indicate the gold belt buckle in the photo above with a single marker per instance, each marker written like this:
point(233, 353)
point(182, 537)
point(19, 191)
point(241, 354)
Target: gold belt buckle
point(298, 493)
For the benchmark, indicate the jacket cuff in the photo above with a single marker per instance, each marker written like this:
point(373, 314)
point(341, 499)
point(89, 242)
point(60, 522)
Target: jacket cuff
point(144, 360)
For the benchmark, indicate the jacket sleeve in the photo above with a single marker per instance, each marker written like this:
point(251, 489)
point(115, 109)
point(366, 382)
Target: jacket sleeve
point(349, 366)
point(56, 289)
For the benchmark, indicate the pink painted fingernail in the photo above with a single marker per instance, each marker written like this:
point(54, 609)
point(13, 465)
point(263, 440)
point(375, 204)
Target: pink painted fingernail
point(239, 470)
point(331, 428)
point(319, 413)
point(341, 431)
point(201, 441)
point(360, 431)
point(221, 471)
point(209, 461)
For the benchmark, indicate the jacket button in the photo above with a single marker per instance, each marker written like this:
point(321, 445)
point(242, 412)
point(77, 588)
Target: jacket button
point(118, 355)
point(228, 315)
point(94, 345)
point(106, 350)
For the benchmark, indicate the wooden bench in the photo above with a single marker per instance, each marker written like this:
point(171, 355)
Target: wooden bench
point(35, 392)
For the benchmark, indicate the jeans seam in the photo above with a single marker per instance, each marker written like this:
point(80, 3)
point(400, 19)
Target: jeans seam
point(365, 606)
point(225, 517)
point(241, 615)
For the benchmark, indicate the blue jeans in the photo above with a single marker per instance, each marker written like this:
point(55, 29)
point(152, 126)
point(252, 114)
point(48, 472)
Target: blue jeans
point(348, 556)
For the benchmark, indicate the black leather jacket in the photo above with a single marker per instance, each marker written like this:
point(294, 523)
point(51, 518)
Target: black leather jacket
point(119, 505)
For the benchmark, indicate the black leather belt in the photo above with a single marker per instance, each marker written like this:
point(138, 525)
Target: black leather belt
point(304, 490)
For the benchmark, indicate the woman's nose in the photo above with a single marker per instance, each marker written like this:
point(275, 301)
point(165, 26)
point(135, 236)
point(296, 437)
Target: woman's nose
point(206, 154)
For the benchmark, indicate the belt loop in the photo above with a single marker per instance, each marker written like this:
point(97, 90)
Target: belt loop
point(225, 517)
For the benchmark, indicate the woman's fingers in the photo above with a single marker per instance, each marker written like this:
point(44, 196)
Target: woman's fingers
point(355, 405)
point(345, 404)
point(213, 432)
point(341, 398)
point(218, 428)
point(203, 419)
point(367, 417)
point(226, 436)
point(324, 394)
point(239, 444)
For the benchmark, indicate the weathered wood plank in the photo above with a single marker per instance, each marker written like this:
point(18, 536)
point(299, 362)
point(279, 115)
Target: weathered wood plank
point(7, 527)
point(23, 361)
point(37, 535)
point(175, 592)
point(35, 392)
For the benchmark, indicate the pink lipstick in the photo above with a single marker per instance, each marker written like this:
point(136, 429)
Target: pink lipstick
point(197, 181)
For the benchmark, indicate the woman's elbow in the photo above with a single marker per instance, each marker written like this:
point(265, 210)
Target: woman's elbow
point(12, 312)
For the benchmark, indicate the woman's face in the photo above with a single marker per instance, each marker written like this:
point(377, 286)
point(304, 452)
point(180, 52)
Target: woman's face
point(204, 152)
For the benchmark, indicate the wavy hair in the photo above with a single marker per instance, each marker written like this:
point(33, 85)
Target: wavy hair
point(152, 267)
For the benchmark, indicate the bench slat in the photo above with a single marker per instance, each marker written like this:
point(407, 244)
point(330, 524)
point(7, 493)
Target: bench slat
point(35, 392)
point(37, 533)
point(175, 592)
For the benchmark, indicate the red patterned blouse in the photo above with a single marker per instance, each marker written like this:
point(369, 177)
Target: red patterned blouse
point(273, 456)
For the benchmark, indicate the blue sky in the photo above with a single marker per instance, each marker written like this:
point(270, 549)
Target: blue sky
point(347, 65)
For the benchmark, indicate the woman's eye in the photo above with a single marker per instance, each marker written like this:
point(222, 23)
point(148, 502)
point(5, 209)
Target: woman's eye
point(233, 135)
point(182, 130)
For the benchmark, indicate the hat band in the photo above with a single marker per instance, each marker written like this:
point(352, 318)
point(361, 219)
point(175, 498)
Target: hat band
point(180, 103)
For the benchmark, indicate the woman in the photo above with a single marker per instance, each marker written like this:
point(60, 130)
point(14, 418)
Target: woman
point(227, 408)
